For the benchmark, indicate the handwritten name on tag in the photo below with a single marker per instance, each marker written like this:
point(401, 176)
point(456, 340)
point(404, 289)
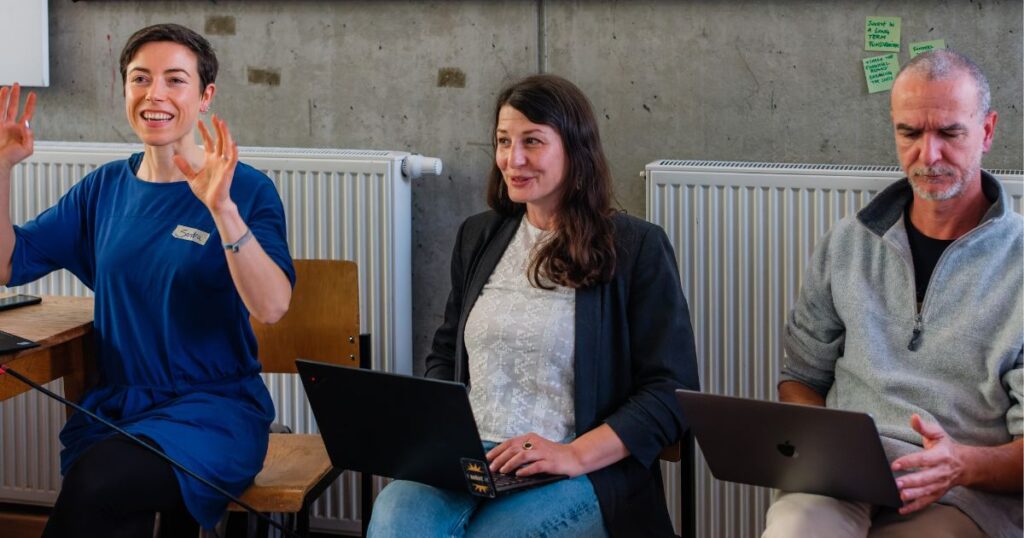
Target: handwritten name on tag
point(190, 234)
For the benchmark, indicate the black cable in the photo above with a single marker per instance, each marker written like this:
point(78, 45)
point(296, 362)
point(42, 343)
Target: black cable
point(6, 370)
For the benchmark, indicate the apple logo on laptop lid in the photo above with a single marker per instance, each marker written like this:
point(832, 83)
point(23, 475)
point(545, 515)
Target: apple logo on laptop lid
point(787, 450)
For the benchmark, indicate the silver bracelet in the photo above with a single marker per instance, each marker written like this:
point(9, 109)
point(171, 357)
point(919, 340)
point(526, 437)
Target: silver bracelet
point(233, 247)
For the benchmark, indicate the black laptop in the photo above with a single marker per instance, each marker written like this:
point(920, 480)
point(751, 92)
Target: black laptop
point(791, 447)
point(10, 343)
point(403, 427)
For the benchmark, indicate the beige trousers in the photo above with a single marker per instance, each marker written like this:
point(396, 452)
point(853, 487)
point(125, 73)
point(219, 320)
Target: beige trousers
point(804, 514)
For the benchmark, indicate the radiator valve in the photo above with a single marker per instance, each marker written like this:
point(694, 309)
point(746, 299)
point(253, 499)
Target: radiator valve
point(415, 165)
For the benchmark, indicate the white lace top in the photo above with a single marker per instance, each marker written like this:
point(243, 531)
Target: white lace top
point(520, 340)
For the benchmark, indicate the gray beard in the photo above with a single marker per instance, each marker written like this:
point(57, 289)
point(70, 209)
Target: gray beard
point(954, 190)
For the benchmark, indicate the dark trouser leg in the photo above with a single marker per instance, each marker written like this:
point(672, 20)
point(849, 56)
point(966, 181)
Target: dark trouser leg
point(114, 490)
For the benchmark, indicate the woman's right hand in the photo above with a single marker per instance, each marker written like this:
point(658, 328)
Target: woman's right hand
point(16, 138)
point(531, 454)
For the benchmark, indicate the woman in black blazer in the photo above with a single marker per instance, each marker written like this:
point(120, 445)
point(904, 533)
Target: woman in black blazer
point(580, 330)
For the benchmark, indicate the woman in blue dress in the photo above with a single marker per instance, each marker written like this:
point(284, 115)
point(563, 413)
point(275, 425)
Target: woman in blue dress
point(180, 243)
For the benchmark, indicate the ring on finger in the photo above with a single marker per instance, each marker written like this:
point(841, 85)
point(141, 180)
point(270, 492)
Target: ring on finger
point(528, 445)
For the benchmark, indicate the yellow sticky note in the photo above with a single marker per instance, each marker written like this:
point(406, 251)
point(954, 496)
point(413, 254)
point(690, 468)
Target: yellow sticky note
point(882, 33)
point(925, 46)
point(880, 72)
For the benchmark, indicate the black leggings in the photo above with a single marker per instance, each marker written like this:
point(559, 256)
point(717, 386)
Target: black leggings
point(114, 490)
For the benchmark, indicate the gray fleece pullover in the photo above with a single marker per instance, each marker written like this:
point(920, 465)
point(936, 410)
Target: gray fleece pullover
point(855, 335)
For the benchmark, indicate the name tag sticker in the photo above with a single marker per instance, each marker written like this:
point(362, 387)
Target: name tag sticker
point(190, 234)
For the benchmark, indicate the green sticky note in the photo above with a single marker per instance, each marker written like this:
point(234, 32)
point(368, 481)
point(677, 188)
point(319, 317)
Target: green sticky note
point(882, 33)
point(925, 46)
point(880, 72)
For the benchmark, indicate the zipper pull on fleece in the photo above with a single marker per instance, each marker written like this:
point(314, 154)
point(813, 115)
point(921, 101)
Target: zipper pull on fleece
point(915, 340)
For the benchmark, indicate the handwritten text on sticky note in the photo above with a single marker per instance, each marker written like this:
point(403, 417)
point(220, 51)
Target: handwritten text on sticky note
point(882, 33)
point(880, 72)
point(925, 46)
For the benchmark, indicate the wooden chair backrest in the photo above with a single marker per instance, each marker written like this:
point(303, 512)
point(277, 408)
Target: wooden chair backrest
point(322, 322)
point(671, 453)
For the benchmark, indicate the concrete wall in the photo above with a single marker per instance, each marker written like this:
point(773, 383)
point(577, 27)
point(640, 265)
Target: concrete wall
point(768, 80)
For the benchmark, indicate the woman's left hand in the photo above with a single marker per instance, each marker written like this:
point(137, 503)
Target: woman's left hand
point(531, 454)
point(212, 183)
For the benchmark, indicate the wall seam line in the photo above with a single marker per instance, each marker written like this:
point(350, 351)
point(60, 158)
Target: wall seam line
point(541, 38)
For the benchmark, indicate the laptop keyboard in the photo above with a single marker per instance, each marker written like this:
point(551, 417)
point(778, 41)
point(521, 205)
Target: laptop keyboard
point(508, 480)
point(511, 482)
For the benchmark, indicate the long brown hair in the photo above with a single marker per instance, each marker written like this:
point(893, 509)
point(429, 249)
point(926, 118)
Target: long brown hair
point(581, 251)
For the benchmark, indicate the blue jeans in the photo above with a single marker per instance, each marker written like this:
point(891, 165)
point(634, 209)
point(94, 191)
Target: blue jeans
point(564, 508)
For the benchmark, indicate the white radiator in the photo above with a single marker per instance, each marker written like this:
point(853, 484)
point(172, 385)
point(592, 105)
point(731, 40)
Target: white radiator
point(340, 204)
point(742, 233)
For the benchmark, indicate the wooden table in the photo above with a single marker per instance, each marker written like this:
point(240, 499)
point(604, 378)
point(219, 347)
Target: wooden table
point(63, 327)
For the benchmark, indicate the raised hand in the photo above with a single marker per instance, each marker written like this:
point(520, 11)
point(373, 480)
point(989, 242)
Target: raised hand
point(212, 182)
point(16, 140)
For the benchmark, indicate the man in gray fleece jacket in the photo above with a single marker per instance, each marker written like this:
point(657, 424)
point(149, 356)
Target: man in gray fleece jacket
point(912, 311)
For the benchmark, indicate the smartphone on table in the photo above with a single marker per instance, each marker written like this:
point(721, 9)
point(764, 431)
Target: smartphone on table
point(14, 301)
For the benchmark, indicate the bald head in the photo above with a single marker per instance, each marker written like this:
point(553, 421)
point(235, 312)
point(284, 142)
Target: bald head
point(946, 64)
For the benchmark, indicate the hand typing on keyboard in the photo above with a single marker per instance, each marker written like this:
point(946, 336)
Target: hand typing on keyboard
point(531, 454)
point(503, 480)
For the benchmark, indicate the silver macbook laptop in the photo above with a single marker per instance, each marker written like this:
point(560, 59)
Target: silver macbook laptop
point(791, 447)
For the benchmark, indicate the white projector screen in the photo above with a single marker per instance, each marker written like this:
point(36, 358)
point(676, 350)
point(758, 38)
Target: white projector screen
point(26, 42)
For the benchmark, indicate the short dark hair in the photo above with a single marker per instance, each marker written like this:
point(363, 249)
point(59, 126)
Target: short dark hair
point(581, 252)
point(206, 59)
point(944, 64)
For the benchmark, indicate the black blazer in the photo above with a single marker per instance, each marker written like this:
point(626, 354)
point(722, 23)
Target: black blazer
point(634, 347)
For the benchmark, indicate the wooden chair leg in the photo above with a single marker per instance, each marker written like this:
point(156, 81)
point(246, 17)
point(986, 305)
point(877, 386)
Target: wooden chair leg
point(365, 480)
point(256, 527)
point(687, 487)
point(302, 520)
point(251, 526)
point(366, 498)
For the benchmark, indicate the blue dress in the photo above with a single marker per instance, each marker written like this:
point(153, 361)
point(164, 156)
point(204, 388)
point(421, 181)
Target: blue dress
point(176, 353)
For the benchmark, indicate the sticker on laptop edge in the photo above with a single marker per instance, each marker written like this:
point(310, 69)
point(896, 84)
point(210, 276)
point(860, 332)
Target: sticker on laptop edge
point(477, 479)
